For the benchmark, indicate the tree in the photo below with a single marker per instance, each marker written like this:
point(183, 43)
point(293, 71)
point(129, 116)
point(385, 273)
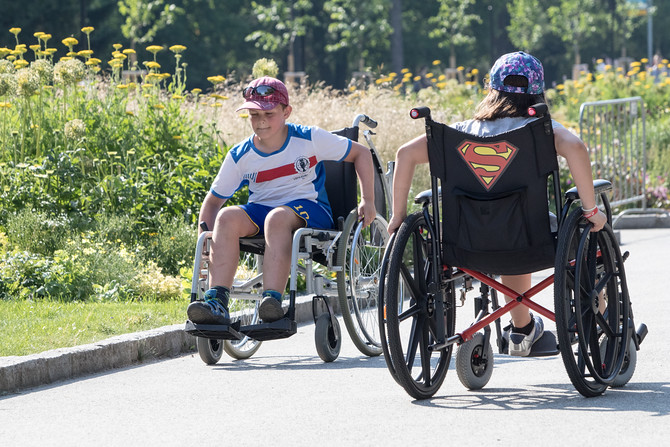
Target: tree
point(576, 21)
point(528, 24)
point(453, 26)
point(144, 18)
point(361, 28)
point(284, 21)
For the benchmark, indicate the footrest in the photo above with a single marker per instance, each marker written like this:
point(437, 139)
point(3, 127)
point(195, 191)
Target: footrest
point(545, 346)
point(283, 328)
point(216, 331)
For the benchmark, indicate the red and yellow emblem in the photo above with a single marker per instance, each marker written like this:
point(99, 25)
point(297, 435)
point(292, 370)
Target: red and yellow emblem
point(487, 161)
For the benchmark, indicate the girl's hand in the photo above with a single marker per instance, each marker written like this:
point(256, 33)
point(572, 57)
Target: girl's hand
point(395, 222)
point(598, 220)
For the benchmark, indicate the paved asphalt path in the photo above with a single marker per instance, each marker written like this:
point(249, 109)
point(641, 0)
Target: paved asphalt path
point(285, 395)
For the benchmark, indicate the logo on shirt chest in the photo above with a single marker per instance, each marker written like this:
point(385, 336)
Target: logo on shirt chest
point(301, 164)
point(487, 161)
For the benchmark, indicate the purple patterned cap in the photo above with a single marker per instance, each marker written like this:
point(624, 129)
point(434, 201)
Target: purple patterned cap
point(521, 64)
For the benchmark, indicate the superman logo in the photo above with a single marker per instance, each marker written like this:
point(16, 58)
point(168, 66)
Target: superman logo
point(487, 161)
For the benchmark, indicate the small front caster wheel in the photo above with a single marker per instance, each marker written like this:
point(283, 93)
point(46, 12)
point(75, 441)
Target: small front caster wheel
point(327, 339)
point(473, 367)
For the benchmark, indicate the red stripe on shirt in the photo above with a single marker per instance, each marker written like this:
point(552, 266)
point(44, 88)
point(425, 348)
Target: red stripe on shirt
point(281, 171)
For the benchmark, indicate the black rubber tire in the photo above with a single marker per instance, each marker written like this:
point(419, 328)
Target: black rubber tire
point(209, 349)
point(327, 343)
point(589, 265)
point(409, 269)
point(358, 282)
point(473, 369)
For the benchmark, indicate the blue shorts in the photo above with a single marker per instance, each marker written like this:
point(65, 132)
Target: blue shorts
point(314, 215)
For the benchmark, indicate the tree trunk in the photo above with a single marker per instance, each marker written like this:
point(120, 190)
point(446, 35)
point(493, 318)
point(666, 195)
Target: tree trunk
point(397, 55)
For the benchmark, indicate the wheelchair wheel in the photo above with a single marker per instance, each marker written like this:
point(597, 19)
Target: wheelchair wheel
point(327, 342)
point(248, 278)
point(360, 254)
point(381, 311)
point(474, 369)
point(589, 277)
point(209, 349)
point(411, 319)
point(247, 312)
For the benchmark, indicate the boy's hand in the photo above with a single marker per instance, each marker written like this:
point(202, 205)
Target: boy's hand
point(366, 212)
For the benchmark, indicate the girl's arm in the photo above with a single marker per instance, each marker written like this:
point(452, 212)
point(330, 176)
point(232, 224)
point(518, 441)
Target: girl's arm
point(573, 150)
point(409, 155)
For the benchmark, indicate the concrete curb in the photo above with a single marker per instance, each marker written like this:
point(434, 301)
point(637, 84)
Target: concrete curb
point(22, 372)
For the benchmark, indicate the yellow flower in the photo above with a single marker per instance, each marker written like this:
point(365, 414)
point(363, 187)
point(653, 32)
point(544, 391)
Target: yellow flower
point(122, 86)
point(15, 31)
point(216, 79)
point(244, 115)
point(221, 97)
point(35, 47)
point(196, 91)
point(154, 49)
point(177, 97)
point(70, 42)
point(85, 53)
point(38, 34)
point(128, 51)
point(21, 63)
point(4, 51)
point(159, 106)
point(117, 46)
point(177, 48)
point(87, 30)
point(176, 137)
point(474, 71)
point(437, 62)
point(460, 68)
point(45, 37)
point(404, 70)
point(417, 78)
point(152, 64)
point(50, 51)
point(93, 61)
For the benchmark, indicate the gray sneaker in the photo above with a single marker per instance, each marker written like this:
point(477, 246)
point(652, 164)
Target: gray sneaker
point(270, 309)
point(520, 344)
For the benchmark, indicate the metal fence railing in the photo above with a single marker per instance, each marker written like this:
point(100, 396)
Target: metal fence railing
point(614, 133)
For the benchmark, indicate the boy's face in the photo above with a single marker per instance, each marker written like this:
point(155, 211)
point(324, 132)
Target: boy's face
point(268, 123)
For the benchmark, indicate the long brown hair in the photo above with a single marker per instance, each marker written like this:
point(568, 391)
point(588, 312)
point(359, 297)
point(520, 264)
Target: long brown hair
point(499, 104)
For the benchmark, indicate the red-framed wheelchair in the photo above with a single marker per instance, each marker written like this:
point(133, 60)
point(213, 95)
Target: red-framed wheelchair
point(489, 212)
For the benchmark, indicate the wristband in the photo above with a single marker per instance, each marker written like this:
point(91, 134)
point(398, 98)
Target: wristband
point(589, 213)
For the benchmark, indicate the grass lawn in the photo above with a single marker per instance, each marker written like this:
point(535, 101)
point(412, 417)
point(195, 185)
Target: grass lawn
point(30, 327)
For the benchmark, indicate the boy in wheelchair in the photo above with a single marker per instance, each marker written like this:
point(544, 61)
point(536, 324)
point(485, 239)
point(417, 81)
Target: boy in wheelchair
point(516, 83)
point(280, 163)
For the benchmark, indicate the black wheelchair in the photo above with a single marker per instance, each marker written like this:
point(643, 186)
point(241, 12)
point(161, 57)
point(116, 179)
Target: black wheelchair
point(499, 196)
point(343, 262)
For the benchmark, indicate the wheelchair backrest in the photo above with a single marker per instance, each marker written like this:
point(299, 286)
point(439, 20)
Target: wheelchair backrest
point(495, 212)
point(341, 181)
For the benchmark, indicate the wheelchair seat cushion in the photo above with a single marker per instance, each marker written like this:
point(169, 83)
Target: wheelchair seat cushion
point(495, 213)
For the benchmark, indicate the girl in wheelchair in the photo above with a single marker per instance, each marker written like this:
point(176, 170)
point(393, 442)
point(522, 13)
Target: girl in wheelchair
point(280, 163)
point(516, 83)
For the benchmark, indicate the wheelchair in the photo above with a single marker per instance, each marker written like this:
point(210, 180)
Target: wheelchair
point(343, 263)
point(496, 194)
